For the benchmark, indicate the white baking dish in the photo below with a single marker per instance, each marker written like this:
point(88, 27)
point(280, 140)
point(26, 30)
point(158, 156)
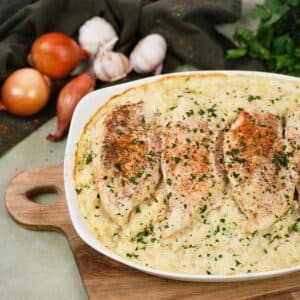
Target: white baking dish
point(86, 108)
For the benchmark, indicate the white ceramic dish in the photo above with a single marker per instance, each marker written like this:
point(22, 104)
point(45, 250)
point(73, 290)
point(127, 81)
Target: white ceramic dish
point(86, 108)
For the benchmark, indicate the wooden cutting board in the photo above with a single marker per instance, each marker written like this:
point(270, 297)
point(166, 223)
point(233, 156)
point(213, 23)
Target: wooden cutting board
point(104, 278)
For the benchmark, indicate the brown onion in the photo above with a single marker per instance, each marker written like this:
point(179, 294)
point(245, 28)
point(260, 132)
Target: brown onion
point(55, 54)
point(68, 98)
point(25, 92)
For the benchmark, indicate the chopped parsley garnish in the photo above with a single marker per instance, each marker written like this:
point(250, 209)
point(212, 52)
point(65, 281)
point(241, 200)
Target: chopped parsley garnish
point(169, 181)
point(142, 234)
point(130, 255)
point(151, 228)
point(202, 177)
point(133, 180)
point(190, 91)
point(111, 188)
point(151, 153)
point(139, 175)
point(212, 111)
point(242, 142)
point(239, 109)
point(280, 160)
point(235, 175)
point(267, 235)
point(119, 131)
point(89, 158)
point(118, 166)
point(190, 246)
point(137, 210)
point(203, 209)
point(217, 230)
point(233, 152)
point(237, 263)
point(151, 156)
point(252, 98)
point(274, 238)
point(201, 112)
point(136, 141)
point(189, 113)
point(169, 195)
point(78, 191)
point(296, 226)
point(176, 159)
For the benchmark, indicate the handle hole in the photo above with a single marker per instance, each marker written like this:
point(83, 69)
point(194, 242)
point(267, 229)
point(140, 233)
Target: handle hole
point(46, 195)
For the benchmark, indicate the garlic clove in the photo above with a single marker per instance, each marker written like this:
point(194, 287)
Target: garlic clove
point(148, 54)
point(97, 32)
point(111, 66)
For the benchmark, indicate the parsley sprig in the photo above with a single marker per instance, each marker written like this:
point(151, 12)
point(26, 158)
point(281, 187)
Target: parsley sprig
point(276, 41)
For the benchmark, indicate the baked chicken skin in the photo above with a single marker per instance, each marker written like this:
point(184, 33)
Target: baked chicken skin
point(257, 163)
point(189, 171)
point(127, 161)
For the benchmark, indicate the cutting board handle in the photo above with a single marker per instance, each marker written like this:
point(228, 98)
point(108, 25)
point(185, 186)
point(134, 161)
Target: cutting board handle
point(32, 214)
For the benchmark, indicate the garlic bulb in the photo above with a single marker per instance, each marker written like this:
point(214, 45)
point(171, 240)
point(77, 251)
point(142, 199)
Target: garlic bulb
point(111, 66)
point(148, 55)
point(97, 32)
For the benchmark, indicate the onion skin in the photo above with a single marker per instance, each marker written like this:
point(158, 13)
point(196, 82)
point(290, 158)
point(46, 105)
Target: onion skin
point(25, 92)
point(68, 98)
point(56, 55)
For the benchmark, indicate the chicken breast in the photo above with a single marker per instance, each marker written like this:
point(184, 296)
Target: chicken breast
point(257, 163)
point(293, 137)
point(189, 170)
point(127, 160)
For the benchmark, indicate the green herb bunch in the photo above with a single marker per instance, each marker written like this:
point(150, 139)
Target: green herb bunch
point(276, 41)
